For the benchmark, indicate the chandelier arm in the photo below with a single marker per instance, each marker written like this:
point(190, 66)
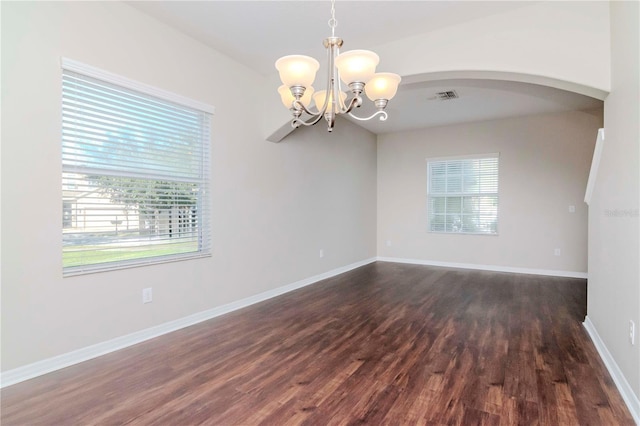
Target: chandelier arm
point(296, 122)
point(316, 116)
point(383, 116)
point(344, 108)
point(299, 106)
point(355, 102)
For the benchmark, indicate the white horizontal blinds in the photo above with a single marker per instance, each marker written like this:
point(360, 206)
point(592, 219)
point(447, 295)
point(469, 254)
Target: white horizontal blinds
point(135, 176)
point(463, 195)
point(117, 130)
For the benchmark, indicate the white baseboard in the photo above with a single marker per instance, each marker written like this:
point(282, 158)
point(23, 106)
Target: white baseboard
point(48, 365)
point(630, 398)
point(495, 268)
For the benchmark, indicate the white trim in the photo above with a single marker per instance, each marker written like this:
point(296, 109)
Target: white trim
point(595, 164)
point(629, 397)
point(39, 368)
point(73, 271)
point(90, 71)
point(495, 268)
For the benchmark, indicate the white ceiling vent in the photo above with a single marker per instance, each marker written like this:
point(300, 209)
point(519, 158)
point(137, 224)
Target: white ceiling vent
point(445, 96)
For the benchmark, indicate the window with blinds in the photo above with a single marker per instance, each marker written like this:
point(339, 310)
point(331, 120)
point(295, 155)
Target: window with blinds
point(463, 195)
point(135, 173)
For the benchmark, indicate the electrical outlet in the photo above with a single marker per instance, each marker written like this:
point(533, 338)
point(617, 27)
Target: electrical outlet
point(388, 243)
point(556, 252)
point(572, 209)
point(147, 295)
point(321, 253)
point(632, 332)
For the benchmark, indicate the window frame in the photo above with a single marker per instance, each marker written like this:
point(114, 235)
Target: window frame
point(204, 231)
point(462, 194)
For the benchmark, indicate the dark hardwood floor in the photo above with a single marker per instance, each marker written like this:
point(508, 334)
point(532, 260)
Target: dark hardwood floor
point(383, 344)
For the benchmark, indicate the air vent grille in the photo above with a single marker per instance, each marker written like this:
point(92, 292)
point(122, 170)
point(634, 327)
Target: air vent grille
point(446, 95)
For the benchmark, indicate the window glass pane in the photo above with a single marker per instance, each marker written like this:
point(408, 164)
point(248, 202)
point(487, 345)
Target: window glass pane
point(438, 168)
point(118, 219)
point(67, 214)
point(469, 223)
point(454, 204)
point(470, 184)
point(454, 184)
point(469, 200)
point(439, 184)
point(438, 205)
point(488, 223)
point(135, 177)
point(453, 223)
point(468, 205)
point(115, 129)
point(454, 167)
point(471, 166)
point(438, 223)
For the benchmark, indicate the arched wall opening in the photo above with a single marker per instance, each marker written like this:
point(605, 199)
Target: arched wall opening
point(479, 95)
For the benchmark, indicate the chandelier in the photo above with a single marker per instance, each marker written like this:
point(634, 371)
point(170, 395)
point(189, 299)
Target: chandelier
point(356, 68)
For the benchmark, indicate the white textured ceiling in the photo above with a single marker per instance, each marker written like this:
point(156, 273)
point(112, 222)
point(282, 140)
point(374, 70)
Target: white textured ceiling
point(256, 33)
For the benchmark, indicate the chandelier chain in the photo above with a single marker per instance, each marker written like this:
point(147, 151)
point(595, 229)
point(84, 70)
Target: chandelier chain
point(333, 22)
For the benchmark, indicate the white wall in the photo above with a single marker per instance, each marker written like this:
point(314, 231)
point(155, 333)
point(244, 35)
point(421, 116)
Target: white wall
point(566, 42)
point(544, 163)
point(614, 231)
point(274, 205)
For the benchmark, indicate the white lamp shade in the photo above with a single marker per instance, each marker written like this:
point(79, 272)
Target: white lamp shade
point(382, 85)
point(287, 98)
point(357, 65)
point(319, 98)
point(297, 70)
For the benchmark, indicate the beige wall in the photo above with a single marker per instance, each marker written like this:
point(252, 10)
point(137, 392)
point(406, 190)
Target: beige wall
point(614, 231)
point(274, 205)
point(563, 43)
point(544, 163)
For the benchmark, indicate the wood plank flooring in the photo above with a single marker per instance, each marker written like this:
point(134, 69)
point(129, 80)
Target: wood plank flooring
point(383, 344)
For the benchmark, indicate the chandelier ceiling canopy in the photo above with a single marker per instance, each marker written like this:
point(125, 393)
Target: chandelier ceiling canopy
point(355, 68)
